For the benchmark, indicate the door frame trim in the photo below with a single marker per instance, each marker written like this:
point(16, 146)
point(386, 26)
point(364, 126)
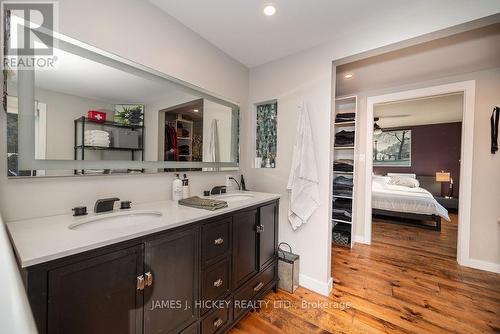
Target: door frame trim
point(468, 88)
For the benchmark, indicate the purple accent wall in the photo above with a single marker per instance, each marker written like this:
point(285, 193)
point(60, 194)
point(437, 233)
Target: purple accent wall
point(434, 147)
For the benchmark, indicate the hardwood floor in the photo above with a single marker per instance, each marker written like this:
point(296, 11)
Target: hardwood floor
point(407, 281)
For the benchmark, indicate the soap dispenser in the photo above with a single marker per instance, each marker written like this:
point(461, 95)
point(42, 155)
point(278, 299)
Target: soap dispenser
point(185, 187)
point(177, 188)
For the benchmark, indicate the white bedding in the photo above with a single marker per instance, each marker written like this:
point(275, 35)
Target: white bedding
point(403, 199)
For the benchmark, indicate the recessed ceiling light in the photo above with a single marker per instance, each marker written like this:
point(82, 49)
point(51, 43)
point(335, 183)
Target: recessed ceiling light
point(348, 76)
point(195, 110)
point(269, 10)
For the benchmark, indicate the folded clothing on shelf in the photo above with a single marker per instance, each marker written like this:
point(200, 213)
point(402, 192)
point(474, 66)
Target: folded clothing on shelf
point(342, 209)
point(345, 117)
point(343, 165)
point(342, 186)
point(343, 180)
point(184, 149)
point(344, 138)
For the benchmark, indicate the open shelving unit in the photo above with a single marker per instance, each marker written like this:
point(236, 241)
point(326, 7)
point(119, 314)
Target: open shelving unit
point(343, 229)
point(82, 123)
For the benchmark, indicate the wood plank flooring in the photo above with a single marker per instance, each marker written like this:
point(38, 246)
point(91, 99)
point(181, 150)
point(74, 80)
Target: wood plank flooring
point(407, 281)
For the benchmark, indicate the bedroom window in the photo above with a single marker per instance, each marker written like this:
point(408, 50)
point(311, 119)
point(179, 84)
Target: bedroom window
point(266, 135)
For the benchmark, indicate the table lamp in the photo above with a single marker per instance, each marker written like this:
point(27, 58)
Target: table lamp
point(445, 177)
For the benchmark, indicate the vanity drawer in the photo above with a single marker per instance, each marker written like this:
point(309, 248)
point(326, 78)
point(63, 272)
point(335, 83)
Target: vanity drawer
point(216, 239)
point(218, 319)
point(217, 280)
point(251, 289)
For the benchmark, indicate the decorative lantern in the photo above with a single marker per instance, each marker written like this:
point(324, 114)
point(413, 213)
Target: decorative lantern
point(288, 269)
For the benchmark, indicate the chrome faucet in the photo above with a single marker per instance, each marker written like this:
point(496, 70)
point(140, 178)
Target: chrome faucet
point(105, 204)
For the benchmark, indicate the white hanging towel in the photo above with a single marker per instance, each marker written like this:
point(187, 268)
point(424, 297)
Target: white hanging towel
point(213, 146)
point(303, 180)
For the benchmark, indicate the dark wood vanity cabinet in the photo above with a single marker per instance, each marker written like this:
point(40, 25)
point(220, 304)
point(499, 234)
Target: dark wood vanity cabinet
point(172, 262)
point(97, 295)
point(161, 283)
point(244, 246)
point(267, 234)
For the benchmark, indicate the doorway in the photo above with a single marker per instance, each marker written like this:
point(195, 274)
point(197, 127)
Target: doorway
point(467, 91)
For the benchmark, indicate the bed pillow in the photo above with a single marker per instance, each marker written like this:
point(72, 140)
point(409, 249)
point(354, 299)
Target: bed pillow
point(413, 176)
point(404, 181)
point(380, 180)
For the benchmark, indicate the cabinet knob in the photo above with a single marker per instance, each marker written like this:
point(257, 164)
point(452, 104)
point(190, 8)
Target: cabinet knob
point(218, 283)
point(140, 282)
point(219, 241)
point(218, 323)
point(149, 278)
point(260, 228)
point(258, 287)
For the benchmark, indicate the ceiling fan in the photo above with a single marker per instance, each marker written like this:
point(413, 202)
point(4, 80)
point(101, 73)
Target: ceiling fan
point(377, 129)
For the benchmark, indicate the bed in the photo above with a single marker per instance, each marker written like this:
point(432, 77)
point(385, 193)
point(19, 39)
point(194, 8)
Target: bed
point(411, 205)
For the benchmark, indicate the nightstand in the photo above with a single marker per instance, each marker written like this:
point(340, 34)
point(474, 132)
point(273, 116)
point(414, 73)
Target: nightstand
point(448, 203)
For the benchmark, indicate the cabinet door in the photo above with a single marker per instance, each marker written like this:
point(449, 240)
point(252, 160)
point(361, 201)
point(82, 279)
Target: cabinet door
point(267, 235)
point(98, 295)
point(169, 302)
point(244, 246)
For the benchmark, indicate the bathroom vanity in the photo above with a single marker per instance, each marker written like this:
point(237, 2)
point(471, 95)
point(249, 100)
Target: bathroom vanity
point(155, 268)
point(190, 271)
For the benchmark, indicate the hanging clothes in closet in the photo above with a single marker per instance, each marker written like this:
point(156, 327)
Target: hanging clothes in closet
point(171, 151)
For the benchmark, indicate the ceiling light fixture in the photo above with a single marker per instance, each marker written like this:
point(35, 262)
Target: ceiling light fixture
point(269, 10)
point(348, 76)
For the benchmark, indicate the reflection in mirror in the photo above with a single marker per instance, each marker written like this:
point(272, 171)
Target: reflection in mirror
point(198, 130)
point(90, 107)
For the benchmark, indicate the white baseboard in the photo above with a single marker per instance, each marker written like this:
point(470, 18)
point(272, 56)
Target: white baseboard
point(482, 265)
point(359, 239)
point(323, 288)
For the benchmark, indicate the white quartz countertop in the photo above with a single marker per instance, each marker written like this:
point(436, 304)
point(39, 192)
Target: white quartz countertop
point(45, 239)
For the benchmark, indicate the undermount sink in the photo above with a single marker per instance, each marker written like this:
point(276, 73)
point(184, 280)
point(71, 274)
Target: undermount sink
point(116, 220)
point(235, 197)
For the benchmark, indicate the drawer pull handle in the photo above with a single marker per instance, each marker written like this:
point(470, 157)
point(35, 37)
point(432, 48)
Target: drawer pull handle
point(218, 283)
point(258, 287)
point(140, 282)
point(260, 228)
point(218, 323)
point(149, 278)
point(219, 241)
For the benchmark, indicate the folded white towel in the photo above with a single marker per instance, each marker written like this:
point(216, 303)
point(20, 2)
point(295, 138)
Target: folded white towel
point(96, 132)
point(96, 135)
point(102, 143)
point(99, 140)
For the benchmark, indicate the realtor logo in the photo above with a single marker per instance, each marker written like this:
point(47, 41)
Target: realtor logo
point(28, 33)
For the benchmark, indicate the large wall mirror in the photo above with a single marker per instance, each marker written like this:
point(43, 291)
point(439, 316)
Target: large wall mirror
point(94, 113)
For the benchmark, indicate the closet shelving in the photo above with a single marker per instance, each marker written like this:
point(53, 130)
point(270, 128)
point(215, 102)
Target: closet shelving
point(188, 125)
point(343, 229)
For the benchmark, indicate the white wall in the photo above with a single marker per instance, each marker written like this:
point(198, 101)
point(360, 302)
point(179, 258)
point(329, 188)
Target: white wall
point(138, 31)
point(307, 76)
